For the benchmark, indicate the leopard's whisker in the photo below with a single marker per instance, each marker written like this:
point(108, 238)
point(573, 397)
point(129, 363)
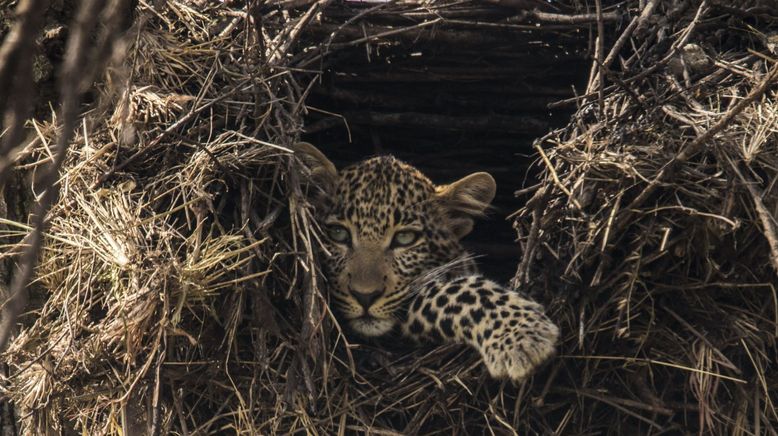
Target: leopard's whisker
point(437, 273)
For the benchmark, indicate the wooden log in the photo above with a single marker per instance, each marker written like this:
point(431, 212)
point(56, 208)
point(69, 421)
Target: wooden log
point(433, 99)
point(485, 85)
point(438, 34)
point(500, 123)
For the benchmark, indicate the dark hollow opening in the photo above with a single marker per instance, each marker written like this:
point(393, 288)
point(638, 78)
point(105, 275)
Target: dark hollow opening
point(452, 105)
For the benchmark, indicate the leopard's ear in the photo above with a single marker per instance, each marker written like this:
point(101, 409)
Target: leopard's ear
point(465, 199)
point(323, 172)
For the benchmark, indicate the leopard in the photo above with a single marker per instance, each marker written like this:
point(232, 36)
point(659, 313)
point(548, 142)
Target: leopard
point(394, 262)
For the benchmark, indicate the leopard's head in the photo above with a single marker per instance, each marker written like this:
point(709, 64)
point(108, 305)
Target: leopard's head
point(385, 224)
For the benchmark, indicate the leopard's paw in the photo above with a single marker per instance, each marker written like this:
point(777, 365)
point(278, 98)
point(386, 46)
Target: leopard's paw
point(519, 343)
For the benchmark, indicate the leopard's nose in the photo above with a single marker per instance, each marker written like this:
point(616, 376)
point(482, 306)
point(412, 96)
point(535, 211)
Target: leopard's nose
point(366, 299)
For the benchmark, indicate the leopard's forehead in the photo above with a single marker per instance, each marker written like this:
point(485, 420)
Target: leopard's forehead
point(379, 193)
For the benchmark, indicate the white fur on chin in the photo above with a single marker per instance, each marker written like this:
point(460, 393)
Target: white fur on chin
point(371, 326)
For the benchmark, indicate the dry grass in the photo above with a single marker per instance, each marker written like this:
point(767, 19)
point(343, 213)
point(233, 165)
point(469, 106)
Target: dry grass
point(178, 289)
point(656, 220)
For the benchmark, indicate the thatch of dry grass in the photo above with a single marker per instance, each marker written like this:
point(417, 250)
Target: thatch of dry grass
point(178, 289)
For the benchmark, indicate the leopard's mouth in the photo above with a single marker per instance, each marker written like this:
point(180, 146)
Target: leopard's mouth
point(370, 326)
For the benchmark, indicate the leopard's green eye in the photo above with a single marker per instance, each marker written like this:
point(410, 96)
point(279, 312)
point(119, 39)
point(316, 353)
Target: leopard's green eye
point(405, 238)
point(338, 233)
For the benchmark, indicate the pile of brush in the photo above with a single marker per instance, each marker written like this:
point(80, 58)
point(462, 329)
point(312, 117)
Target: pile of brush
point(653, 228)
point(178, 289)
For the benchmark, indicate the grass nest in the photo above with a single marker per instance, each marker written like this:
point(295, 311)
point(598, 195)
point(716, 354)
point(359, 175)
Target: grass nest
point(178, 289)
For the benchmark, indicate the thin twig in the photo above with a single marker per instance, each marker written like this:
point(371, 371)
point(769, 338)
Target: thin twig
point(16, 78)
point(576, 19)
point(600, 57)
point(769, 227)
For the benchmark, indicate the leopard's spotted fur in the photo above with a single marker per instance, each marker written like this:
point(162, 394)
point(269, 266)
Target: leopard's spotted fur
point(388, 227)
